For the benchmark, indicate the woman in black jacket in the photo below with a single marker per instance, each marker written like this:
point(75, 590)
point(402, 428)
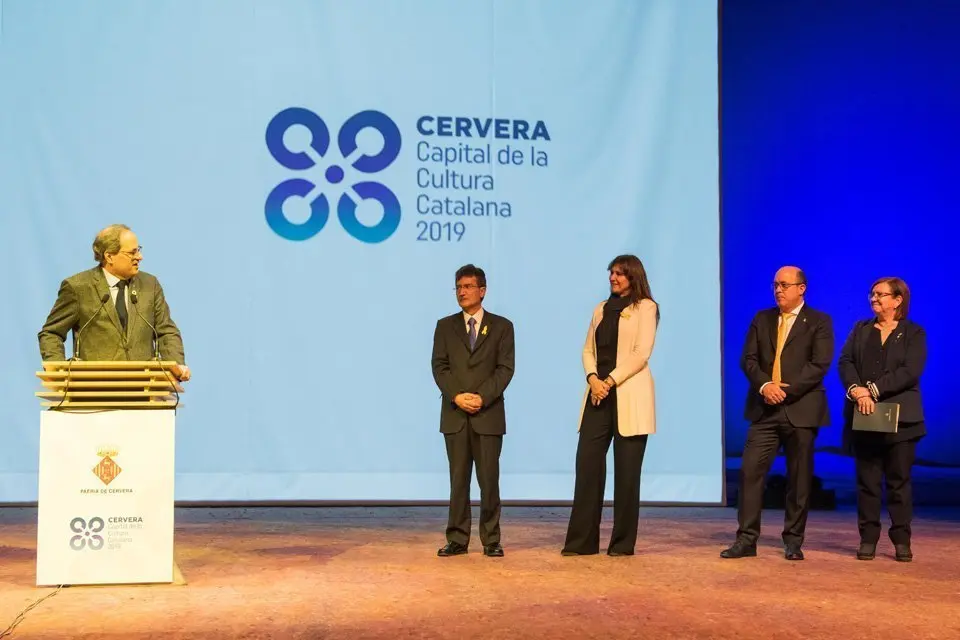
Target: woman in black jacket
point(882, 361)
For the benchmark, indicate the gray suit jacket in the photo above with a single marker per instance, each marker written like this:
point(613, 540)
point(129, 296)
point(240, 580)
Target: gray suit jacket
point(486, 370)
point(78, 301)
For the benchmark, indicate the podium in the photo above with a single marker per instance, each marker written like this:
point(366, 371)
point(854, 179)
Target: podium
point(105, 501)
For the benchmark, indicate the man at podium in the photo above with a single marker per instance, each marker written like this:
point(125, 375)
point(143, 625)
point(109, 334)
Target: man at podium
point(116, 311)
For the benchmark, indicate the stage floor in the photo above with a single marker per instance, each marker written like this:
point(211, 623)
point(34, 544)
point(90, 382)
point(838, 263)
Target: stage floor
point(373, 573)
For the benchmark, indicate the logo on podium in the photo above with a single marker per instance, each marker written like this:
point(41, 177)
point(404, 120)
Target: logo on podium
point(107, 469)
point(87, 534)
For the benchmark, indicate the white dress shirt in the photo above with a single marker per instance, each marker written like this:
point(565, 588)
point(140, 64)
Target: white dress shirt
point(112, 281)
point(478, 316)
point(791, 320)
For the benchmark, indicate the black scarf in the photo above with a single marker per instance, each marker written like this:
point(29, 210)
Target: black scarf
point(610, 323)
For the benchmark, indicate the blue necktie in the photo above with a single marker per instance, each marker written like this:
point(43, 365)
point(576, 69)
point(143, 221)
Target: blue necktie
point(472, 334)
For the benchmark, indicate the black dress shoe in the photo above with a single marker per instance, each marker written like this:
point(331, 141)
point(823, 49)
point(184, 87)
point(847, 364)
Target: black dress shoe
point(493, 550)
point(793, 552)
point(867, 551)
point(452, 549)
point(903, 553)
point(740, 549)
point(613, 552)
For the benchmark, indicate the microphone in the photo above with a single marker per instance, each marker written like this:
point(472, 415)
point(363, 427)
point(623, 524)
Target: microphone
point(76, 343)
point(76, 349)
point(135, 298)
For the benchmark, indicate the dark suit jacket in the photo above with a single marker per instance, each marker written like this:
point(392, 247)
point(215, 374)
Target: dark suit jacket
point(900, 381)
point(78, 301)
point(804, 362)
point(487, 371)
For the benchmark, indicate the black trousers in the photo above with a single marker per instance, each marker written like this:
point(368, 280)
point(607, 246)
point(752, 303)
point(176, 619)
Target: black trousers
point(763, 441)
point(465, 448)
point(875, 461)
point(598, 428)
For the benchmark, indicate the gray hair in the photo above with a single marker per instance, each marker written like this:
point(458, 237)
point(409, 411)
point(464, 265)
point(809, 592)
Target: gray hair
point(108, 241)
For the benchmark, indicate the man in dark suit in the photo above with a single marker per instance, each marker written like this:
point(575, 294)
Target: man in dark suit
point(114, 304)
point(786, 356)
point(473, 364)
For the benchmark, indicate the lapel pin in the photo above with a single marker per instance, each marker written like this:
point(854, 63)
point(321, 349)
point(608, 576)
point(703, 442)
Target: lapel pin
point(484, 331)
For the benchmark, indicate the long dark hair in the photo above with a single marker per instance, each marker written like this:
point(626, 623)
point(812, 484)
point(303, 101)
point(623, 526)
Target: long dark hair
point(637, 276)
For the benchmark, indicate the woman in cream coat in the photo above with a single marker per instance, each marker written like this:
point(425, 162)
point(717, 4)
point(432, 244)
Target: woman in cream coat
point(619, 406)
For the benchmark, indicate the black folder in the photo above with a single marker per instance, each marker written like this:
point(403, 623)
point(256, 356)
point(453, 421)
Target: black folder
point(884, 419)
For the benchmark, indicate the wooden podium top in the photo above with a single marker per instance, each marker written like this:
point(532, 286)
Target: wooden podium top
point(108, 365)
point(97, 385)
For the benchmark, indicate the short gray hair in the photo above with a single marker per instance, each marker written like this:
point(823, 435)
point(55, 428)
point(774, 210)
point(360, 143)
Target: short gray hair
point(108, 241)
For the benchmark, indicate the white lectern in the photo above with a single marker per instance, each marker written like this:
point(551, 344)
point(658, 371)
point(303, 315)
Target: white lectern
point(105, 503)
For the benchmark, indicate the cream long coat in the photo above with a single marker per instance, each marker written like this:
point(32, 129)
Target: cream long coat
point(636, 414)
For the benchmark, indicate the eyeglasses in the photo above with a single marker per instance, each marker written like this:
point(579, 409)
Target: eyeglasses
point(465, 287)
point(878, 295)
point(136, 252)
point(784, 285)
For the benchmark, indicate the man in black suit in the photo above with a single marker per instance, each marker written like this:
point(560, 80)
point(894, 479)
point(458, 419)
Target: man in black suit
point(786, 356)
point(473, 364)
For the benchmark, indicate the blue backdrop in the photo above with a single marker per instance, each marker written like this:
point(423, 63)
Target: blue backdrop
point(839, 141)
point(297, 173)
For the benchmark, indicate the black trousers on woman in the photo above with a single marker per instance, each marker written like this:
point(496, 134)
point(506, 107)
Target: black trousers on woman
point(877, 461)
point(598, 428)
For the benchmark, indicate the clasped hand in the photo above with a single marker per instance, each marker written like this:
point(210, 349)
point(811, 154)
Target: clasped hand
point(774, 393)
point(599, 389)
point(469, 402)
point(864, 400)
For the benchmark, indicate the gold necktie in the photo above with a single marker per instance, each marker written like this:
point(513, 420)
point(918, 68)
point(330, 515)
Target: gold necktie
point(781, 338)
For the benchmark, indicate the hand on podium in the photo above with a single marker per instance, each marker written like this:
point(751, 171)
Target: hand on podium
point(181, 372)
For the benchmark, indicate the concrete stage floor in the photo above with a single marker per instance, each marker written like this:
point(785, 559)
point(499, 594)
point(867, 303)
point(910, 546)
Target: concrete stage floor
point(352, 572)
